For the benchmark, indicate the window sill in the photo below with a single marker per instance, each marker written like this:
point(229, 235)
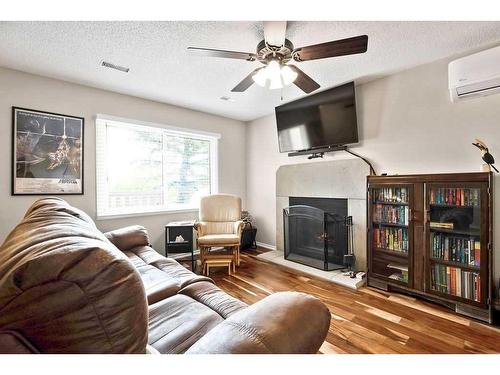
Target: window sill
point(146, 213)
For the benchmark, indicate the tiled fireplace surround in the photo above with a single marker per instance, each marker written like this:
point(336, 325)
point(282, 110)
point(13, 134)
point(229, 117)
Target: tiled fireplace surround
point(325, 179)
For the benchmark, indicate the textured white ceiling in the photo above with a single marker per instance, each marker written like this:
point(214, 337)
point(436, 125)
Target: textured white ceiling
point(162, 70)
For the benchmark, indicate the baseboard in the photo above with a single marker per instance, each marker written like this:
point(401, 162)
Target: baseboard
point(266, 246)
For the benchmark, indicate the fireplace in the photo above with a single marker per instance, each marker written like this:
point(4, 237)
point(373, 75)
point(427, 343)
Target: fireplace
point(317, 232)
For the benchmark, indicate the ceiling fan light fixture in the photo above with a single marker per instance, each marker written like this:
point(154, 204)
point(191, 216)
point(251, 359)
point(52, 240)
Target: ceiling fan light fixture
point(260, 77)
point(275, 83)
point(273, 70)
point(288, 75)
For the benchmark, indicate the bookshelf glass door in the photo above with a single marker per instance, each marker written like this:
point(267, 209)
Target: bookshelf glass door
point(454, 219)
point(390, 218)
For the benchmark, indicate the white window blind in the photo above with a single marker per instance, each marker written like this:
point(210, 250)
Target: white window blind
point(144, 169)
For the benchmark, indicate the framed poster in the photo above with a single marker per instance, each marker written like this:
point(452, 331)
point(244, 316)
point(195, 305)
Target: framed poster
point(47, 153)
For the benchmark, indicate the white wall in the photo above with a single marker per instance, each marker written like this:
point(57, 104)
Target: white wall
point(407, 125)
point(35, 92)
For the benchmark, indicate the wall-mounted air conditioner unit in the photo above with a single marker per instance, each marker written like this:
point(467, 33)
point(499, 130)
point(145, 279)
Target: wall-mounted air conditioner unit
point(475, 75)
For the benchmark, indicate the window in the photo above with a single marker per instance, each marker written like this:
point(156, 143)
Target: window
point(143, 168)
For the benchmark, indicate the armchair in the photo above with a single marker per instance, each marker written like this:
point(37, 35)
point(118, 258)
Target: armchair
point(219, 225)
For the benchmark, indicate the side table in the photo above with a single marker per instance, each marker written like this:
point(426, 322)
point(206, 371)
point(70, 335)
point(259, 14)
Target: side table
point(184, 229)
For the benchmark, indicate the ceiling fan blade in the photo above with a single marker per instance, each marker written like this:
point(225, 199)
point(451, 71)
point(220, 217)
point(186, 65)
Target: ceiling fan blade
point(303, 81)
point(341, 47)
point(222, 53)
point(274, 32)
point(246, 83)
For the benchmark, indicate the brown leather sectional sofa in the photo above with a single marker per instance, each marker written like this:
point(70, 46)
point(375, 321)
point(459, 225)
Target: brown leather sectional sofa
point(65, 287)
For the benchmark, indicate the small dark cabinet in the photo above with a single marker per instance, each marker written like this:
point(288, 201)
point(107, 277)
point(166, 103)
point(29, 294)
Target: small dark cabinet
point(248, 236)
point(184, 229)
point(431, 236)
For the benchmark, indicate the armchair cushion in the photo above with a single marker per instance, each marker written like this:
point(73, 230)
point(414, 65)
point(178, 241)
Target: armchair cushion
point(220, 208)
point(214, 227)
point(219, 239)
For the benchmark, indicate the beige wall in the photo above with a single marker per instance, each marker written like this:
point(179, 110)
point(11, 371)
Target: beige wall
point(407, 124)
point(30, 91)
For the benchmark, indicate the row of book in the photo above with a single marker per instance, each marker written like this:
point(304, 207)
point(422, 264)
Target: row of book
point(456, 249)
point(454, 281)
point(390, 214)
point(395, 239)
point(391, 195)
point(455, 196)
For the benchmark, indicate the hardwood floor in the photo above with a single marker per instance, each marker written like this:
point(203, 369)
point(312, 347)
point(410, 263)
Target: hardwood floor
point(367, 320)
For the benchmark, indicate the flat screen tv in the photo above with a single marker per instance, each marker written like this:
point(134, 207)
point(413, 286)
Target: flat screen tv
point(323, 120)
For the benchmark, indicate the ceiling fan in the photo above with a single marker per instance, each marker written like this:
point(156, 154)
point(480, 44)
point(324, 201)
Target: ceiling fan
point(275, 52)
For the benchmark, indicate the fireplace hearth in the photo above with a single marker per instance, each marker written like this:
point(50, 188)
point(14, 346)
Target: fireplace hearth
point(317, 232)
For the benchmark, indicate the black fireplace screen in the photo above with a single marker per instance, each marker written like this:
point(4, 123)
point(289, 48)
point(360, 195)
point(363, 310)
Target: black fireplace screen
point(316, 238)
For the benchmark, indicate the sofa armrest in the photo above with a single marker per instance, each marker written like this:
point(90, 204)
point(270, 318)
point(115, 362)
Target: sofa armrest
point(282, 323)
point(129, 237)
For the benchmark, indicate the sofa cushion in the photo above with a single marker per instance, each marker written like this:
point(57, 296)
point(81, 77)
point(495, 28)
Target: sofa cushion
point(129, 237)
point(213, 297)
point(219, 239)
point(12, 342)
point(162, 277)
point(281, 323)
point(177, 322)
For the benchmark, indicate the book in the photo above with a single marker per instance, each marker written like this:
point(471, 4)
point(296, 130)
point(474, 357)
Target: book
point(438, 225)
point(477, 253)
point(398, 267)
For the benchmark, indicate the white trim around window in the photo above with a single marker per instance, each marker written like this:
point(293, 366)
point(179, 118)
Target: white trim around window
point(168, 189)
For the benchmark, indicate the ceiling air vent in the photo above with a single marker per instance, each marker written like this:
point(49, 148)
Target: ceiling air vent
point(116, 67)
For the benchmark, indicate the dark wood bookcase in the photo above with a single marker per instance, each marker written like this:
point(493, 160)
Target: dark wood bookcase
point(431, 236)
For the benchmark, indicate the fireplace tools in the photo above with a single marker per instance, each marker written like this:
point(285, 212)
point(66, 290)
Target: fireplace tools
point(349, 258)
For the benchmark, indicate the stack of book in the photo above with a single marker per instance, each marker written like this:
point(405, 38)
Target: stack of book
point(395, 239)
point(401, 274)
point(454, 281)
point(390, 214)
point(437, 225)
point(456, 249)
point(391, 195)
point(455, 197)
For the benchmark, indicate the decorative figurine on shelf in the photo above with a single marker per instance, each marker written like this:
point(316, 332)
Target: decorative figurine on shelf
point(487, 157)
